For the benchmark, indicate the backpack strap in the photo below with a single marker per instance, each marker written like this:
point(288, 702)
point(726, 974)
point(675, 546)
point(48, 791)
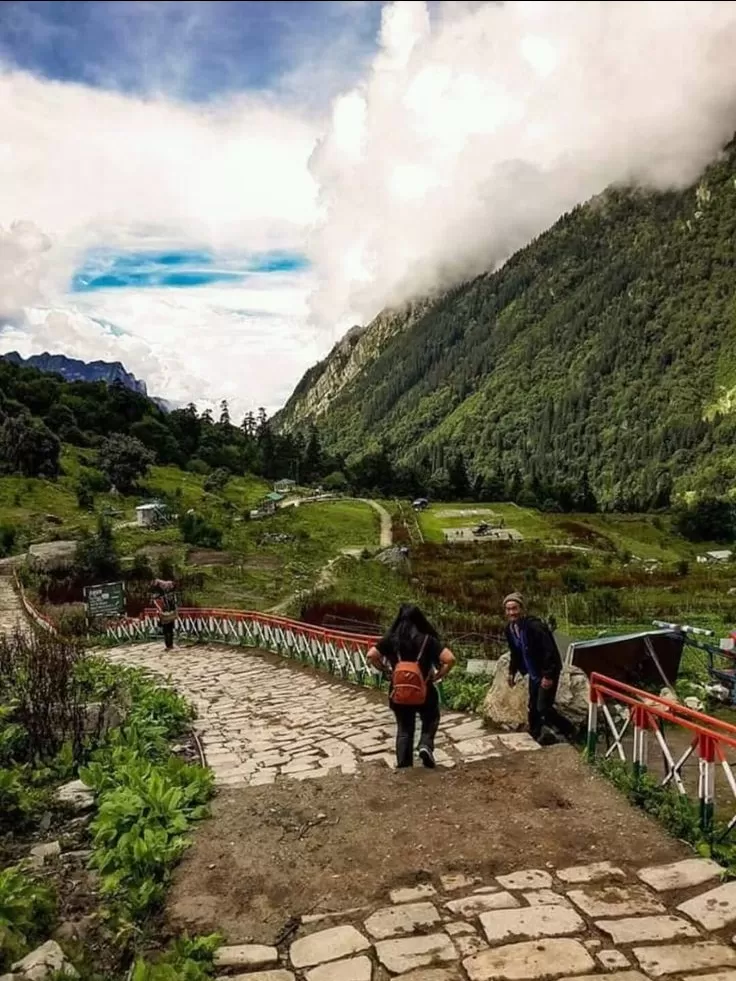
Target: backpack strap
point(421, 649)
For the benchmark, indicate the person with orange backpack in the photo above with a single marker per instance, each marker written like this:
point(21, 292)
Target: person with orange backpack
point(413, 657)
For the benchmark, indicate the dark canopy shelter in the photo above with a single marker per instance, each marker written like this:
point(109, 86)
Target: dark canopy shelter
point(648, 660)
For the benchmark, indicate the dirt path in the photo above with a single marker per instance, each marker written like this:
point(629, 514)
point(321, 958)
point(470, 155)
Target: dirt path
point(387, 537)
point(313, 830)
point(325, 577)
point(269, 854)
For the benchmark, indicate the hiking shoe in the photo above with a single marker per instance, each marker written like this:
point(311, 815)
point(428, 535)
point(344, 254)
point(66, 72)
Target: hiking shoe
point(427, 757)
point(548, 737)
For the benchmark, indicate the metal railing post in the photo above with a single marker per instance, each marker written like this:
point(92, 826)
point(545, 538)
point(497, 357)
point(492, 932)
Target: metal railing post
point(592, 740)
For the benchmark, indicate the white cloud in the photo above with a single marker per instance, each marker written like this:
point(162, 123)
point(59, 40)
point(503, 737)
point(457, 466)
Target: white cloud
point(471, 133)
point(89, 166)
point(84, 168)
point(471, 136)
point(246, 344)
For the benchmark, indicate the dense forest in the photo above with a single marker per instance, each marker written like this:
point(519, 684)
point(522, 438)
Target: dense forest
point(599, 364)
point(39, 412)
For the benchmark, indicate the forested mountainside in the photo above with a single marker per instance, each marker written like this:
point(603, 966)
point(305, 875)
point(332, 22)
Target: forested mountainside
point(39, 412)
point(72, 369)
point(604, 352)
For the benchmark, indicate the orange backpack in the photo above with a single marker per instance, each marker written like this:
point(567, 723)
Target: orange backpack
point(408, 684)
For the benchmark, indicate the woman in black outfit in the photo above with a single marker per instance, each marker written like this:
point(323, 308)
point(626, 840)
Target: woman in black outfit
point(412, 638)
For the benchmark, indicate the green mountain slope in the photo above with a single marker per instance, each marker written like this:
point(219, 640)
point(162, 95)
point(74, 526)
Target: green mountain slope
point(605, 352)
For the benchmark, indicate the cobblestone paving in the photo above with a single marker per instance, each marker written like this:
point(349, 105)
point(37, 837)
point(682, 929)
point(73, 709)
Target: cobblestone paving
point(261, 721)
point(582, 922)
point(11, 614)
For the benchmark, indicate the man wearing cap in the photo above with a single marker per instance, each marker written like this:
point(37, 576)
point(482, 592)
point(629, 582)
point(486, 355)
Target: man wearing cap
point(534, 653)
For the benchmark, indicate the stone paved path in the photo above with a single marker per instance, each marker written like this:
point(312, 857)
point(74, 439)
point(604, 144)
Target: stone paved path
point(581, 922)
point(261, 721)
point(11, 613)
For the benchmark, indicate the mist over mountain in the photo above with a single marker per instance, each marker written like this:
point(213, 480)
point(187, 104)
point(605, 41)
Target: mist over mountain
point(603, 354)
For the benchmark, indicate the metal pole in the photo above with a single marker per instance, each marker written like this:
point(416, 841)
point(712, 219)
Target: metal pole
point(706, 783)
point(592, 722)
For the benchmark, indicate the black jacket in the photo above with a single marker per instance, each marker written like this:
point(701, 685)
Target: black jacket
point(541, 649)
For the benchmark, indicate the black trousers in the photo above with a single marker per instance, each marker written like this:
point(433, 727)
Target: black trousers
point(168, 629)
point(406, 719)
point(542, 711)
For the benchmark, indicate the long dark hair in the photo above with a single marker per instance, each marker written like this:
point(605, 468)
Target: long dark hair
point(406, 634)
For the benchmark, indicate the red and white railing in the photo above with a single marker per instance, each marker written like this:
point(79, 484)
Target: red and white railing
point(343, 654)
point(44, 622)
point(648, 715)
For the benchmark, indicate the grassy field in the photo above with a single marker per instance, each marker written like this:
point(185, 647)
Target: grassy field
point(44, 510)
point(643, 536)
point(593, 573)
point(530, 523)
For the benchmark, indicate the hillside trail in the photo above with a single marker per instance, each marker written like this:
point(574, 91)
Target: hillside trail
point(387, 538)
point(507, 862)
point(325, 577)
point(12, 617)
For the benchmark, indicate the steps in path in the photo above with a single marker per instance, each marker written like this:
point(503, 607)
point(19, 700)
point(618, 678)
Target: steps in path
point(261, 722)
point(583, 923)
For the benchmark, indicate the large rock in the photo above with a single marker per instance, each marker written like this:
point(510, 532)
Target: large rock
point(505, 705)
point(573, 694)
point(76, 795)
point(46, 961)
point(52, 556)
point(508, 706)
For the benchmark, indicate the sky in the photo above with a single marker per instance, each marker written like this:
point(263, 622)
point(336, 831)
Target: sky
point(213, 192)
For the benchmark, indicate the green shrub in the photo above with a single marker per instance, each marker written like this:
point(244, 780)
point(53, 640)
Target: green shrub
point(188, 960)
point(96, 558)
point(217, 480)
point(85, 496)
point(574, 581)
point(138, 833)
point(197, 530)
point(26, 913)
point(8, 536)
point(147, 798)
point(16, 803)
point(13, 737)
point(464, 693)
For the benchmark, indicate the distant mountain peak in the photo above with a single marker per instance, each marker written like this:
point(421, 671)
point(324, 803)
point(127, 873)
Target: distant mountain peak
point(72, 369)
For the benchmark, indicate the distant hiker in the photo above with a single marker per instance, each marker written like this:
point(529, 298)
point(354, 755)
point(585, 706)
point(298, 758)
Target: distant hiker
point(414, 658)
point(164, 599)
point(534, 653)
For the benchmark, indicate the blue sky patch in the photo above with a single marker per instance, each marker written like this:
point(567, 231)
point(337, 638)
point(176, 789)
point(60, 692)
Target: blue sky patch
point(195, 50)
point(170, 269)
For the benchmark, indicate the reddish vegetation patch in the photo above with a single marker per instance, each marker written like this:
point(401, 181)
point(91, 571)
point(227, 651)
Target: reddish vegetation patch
point(344, 616)
point(588, 535)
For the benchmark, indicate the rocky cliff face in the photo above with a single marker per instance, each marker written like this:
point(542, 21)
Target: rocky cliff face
point(73, 370)
point(358, 348)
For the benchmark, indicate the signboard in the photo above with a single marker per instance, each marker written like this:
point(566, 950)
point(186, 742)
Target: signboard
point(105, 600)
